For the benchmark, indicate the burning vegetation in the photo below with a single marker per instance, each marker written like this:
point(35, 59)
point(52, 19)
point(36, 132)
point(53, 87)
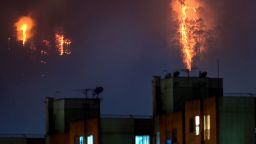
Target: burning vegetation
point(193, 29)
point(24, 27)
point(62, 44)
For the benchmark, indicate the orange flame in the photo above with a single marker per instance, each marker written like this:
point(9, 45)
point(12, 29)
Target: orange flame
point(62, 44)
point(24, 28)
point(191, 29)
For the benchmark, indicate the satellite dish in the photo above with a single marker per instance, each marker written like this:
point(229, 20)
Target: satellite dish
point(97, 91)
point(202, 74)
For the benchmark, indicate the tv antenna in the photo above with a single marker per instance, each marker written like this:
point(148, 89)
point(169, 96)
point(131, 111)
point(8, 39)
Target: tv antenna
point(91, 92)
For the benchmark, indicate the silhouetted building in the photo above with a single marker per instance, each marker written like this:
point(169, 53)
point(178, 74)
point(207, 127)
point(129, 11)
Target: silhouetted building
point(186, 110)
point(21, 139)
point(61, 112)
point(78, 121)
point(192, 110)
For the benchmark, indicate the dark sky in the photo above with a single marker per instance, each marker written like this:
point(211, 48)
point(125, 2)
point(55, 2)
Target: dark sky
point(116, 44)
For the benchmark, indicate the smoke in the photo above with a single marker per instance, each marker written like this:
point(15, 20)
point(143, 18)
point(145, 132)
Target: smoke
point(234, 28)
point(229, 25)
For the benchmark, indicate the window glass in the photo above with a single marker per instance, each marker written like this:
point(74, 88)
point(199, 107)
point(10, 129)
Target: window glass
point(158, 138)
point(144, 139)
point(81, 140)
point(90, 139)
point(207, 127)
point(197, 125)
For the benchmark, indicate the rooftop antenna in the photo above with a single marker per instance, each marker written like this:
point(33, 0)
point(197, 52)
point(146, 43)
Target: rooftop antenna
point(93, 92)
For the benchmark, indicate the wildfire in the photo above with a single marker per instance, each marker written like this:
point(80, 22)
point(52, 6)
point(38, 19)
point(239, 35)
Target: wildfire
point(191, 29)
point(24, 28)
point(62, 44)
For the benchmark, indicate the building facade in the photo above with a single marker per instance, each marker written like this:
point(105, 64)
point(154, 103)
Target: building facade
point(193, 110)
point(186, 110)
point(78, 121)
point(21, 139)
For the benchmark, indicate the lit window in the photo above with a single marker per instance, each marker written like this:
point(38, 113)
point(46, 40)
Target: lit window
point(90, 139)
point(197, 125)
point(81, 140)
point(207, 127)
point(168, 137)
point(142, 139)
point(168, 141)
point(158, 138)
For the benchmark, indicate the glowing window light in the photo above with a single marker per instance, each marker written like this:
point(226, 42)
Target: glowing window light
point(197, 124)
point(142, 139)
point(81, 140)
point(158, 138)
point(207, 127)
point(90, 139)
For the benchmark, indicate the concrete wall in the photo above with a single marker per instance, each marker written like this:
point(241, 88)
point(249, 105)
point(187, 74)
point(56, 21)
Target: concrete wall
point(61, 112)
point(21, 140)
point(192, 109)
point(49, 120)
point(237, 120)
point(117, 131)
point(35, 140)
point(77, 109)
point(60, 138)
point(171, 93)
point(59, 116)
point(167, 97)
point(85, 128)
point(168, 124)
point(13, 141)
point(76, 130)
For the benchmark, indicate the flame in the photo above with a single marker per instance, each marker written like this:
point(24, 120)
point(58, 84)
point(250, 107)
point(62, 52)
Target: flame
point(191, 29)
point(24, 28)
point(62, 44)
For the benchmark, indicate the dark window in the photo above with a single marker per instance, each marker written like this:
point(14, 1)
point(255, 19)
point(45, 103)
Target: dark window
point(174, 135)
point(191, 125)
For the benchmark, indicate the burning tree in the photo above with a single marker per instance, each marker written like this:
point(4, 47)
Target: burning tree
point(24, 28)
point(192, 29)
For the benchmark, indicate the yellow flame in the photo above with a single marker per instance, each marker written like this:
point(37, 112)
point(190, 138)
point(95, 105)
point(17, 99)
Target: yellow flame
point(62, 44)
point(184, 36)
point(24, 28)
point(187, 50)
point(190, 29)
point(24, 31)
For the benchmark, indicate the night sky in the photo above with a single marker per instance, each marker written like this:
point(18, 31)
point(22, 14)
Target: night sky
point(117, 44)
